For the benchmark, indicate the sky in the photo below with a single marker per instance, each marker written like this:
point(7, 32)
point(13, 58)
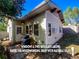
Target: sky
point(62, 4)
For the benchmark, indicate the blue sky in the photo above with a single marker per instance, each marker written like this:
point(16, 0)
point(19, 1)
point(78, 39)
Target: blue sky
point(62, 4)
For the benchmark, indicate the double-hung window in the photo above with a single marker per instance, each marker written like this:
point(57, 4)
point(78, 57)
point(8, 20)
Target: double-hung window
point(27, 28)
point(19, 30)
point(60, 29)
point(30, 29)
point(53, 30)
point(36, 29)
point(49, 29)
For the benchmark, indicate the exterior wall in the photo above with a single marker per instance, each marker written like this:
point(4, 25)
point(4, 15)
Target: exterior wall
point(18, 37)
point(40, 19)
point(10, 29)
point(55, 23)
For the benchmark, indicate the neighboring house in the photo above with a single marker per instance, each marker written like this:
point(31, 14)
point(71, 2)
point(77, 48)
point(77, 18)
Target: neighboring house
point(44, 23)
point(72, 29)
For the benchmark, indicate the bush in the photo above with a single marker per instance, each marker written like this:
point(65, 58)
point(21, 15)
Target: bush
point(2, 52)
point(3, 27)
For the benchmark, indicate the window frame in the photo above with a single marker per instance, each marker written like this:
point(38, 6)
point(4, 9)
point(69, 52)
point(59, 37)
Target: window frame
point(28, 29)
point(34, 30)
point(53, 30)
point(30, 26)
point(21, 28)
point(49, 29)
point(60, 29)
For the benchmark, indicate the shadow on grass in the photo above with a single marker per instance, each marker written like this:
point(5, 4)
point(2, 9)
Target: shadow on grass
point(49, 55)
point(70, 37)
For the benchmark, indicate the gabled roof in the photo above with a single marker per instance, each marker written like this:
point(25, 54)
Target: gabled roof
point(40, 8)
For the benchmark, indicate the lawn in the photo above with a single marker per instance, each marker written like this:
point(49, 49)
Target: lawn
point(2, 27)
point(70, 40)
point(2, 56)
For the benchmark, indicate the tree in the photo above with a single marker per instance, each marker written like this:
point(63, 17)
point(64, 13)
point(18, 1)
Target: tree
point(11, 7)
point(71, 15)
point(68, 15)
point(76, 12)
point(65, 15)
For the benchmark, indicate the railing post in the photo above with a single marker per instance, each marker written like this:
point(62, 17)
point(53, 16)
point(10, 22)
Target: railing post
point(73, 51)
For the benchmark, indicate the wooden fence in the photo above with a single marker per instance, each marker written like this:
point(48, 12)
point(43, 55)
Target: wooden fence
point(3, 35)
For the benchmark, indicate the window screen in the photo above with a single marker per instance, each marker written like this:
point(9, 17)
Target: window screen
point(49, 29)
point(19, 30)
point(36, 31)
point(27, 29)
point(30, 29)
point(60, 29)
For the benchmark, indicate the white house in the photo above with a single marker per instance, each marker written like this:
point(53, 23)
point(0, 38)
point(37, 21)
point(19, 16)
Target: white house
point(44, 23)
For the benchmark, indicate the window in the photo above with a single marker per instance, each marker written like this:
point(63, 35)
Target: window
point(49, 29)
point(30, 29)
point(19, 30)
point(27, 29)
point(53, 30)
point(36, 29)
point(60, 29)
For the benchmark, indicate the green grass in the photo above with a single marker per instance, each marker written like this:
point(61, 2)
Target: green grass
point(2, 56)
point(70, 40)
point(2, 27)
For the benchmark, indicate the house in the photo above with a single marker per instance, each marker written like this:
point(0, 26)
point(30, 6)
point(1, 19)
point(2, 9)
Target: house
point(44, 23)
point(71, 29)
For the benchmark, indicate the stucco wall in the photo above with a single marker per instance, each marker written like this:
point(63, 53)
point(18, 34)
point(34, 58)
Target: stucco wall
point(55, 23)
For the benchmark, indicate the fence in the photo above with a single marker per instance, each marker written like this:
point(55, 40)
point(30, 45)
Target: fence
point(3, 35)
